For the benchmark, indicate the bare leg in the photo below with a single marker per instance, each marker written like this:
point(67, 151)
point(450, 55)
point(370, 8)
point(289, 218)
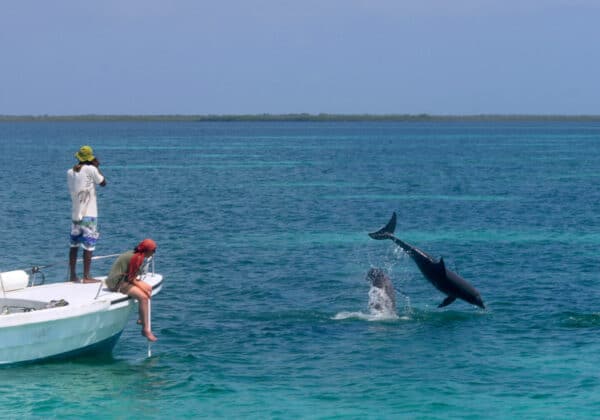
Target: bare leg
point(73, 263)
point(87, 264)
point(142, 298)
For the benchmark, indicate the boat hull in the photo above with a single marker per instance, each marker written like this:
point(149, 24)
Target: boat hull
point(91, 321)
point(51, 333)
point(103, 347)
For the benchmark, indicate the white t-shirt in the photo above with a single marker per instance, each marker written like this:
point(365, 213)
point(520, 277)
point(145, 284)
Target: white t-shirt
point(82, 187)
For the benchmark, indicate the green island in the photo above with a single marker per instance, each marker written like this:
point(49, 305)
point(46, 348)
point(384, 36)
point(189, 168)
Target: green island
point(302, 117)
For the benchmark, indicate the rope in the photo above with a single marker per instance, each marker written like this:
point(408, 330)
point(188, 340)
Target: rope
point(36, 268)
point(149, 326)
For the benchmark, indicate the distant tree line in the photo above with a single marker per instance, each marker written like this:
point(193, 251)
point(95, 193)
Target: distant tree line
point(302, 117)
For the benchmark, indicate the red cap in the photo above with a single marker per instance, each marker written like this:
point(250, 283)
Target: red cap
point(146, 245)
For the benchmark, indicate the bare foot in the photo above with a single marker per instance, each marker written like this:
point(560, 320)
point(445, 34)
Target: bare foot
point(90, 280)
point(148, 334)
point(75, 280)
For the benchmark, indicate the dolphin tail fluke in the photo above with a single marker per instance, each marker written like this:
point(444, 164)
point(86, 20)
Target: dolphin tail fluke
point(387, 231)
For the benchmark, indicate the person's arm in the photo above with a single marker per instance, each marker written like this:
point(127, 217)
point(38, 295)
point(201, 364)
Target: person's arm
point(145, 287)
point(134, 278)
point(96, 163)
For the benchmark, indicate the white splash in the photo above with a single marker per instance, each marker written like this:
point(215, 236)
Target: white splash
point(381, 305)
point(381, 308)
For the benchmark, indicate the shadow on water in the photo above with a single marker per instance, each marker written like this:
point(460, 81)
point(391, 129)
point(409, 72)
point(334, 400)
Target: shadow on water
point(448, 316)
point(94, 359)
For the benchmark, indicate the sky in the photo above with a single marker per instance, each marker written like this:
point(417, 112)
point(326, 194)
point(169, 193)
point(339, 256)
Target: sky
point(440, 57)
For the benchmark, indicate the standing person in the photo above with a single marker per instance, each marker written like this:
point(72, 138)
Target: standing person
point(82, 180)
point(124, 277)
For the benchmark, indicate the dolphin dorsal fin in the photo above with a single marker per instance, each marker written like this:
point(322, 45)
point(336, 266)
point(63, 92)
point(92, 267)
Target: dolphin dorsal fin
point(440, 265)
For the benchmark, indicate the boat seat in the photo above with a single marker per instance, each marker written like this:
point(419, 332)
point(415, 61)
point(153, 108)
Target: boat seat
point(13, 280)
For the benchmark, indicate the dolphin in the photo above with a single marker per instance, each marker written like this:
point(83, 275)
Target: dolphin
point(446, 281)
point(379, 280)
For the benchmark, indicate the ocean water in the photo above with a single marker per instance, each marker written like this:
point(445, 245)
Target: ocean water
point(262, 234)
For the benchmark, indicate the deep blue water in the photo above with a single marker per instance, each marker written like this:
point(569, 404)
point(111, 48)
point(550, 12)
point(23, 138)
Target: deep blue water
point(262, 233)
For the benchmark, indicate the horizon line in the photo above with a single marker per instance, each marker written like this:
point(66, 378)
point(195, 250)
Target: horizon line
point(297, 117)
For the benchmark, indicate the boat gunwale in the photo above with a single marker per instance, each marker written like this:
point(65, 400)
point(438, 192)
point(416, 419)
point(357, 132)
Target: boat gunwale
point(53, 314)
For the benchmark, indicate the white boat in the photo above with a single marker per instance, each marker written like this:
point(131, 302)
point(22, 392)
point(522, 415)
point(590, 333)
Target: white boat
point(60, 320)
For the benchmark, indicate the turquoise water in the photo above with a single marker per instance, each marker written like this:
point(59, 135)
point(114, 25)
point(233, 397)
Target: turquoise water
point(262, 233)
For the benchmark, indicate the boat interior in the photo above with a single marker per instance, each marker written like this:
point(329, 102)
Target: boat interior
point(20, 279)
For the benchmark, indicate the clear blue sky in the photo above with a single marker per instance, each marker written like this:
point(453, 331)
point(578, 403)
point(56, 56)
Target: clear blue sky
point(277, 56)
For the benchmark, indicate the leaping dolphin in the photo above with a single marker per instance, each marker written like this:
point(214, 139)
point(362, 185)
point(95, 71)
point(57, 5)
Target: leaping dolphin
point(446, 281)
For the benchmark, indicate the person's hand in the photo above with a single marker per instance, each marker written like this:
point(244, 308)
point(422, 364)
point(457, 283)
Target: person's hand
point(96, 162)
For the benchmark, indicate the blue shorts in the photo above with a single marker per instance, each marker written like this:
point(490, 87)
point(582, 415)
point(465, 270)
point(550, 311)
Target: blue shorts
point(85, 233)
